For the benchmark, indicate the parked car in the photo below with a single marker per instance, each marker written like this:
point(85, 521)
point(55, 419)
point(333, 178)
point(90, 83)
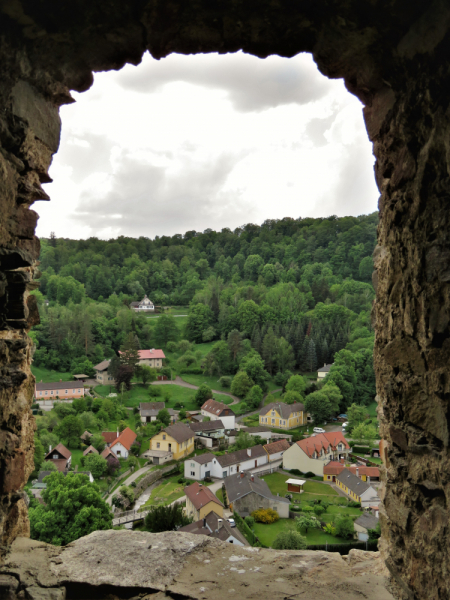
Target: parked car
point(318, 430)
point(342, 416)
point(231, 522)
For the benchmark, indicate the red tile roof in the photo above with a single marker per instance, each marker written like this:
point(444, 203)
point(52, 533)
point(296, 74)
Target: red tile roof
point(89, 450)
point(336, 468)
point(109, 436)
point(278, 446)
point(108, 452)
point(153, 353)
point(126, 438)
point(200, 495)
point(333, 468)
point(322, 441)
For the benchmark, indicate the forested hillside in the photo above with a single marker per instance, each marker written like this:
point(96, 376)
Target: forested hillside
point(291, 293)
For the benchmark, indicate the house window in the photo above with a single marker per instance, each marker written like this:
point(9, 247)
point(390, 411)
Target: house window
point(55, 457)
point(273, 420)
point(164, 437)
point(224, 474)
point(273, 413)
point(46, 393)
point(192, 464)
point(78, 391)
point(40, 393)
point(66, 391)
point(192, 473)
point(158, 445)
point(51, 393)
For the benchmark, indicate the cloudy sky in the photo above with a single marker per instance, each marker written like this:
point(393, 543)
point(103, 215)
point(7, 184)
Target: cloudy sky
point(207, 141)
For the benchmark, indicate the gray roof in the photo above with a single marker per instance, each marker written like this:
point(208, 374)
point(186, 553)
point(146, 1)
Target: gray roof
point(151, 409)
point(58, 385)
point(240, 456)
point(325, 368)
point(354, 484)
point(283, 409)
point(210, 527)
point(203, 458)
point(257, 429)
point(180, 432)
point(207, 426)
point(367, 521)
point(241, 484)
point(103, 365)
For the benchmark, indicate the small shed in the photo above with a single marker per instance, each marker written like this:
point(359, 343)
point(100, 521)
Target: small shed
point(80, 376)
point(295, 485)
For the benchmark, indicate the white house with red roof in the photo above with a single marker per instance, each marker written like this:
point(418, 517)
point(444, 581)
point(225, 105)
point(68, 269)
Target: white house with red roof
point(119, 444)
point(219, 411)
point(313, 453)
point(152, 358)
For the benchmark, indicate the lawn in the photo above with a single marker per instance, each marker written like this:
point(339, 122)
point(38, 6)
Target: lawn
point(211, 381)
point(376, 460)
point(166, 493)
point(139, 393)
point(267, 533)
point(219, 495)
point(272, 397)
point(49, 375)
point(277, 485)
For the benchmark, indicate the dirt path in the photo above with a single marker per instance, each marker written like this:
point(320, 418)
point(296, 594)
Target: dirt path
point(128, 480)
point(191, 386)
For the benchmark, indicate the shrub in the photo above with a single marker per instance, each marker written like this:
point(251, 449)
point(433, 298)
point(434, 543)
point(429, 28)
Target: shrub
point(133, 484)
point(354, 504)
point(306, 509)
point(154, 391)
point(296, 472)
point(319, 510)
point(250, 521)
point(289, 540)
point(361, 449)
point(225, 381)
point(295, 508)
point(177, 406)
point(265, 515)
point(309, 474)
point(330, 528)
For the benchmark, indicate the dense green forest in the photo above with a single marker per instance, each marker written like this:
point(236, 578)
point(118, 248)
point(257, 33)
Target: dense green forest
point(268, 301)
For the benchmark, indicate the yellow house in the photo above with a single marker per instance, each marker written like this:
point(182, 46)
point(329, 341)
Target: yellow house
point(178, 439)
point(282, 415)
point(356, 489)
point(200, 501)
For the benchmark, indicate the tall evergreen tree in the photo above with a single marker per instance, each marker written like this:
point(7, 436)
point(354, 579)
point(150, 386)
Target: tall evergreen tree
point(129, 352)
point(268, 350)
point(256, 338)
point(311, 357)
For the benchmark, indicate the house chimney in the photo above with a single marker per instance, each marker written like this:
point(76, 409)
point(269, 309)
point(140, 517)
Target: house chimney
point(357, 472)
point(368, 479)
point(117, 432)
point(220, 523)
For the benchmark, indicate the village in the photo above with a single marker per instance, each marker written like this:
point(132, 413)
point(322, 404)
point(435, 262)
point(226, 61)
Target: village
point(243, 479)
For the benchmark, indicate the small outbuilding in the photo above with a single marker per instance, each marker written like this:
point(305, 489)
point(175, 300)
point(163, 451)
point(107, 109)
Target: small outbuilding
point(295, 485)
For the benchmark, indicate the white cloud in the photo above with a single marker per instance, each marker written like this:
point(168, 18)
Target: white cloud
point(204, 141)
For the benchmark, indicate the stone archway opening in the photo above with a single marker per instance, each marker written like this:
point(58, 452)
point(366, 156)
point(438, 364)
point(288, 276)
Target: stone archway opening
point(395, 58)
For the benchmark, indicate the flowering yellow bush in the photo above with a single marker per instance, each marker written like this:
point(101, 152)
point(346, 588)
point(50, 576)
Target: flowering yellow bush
point(265, 515)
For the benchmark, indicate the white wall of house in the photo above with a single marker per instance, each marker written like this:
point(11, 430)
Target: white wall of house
point(276, 456)
point(228, 422)
point(370, 498)
point(295, 458)
point(233, 540)
point(194, 470)
point(218, 471)
point(120, 450)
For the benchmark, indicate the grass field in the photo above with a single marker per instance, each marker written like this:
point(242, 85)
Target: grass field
point(211, 381)
point(49, 375)
point(277, 485)
point(219, 495)
point(272, 397)
point(166, 493)
point(267, 533)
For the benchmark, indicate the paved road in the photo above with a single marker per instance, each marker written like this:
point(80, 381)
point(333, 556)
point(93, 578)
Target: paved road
point(182, 383)
point(129, 480)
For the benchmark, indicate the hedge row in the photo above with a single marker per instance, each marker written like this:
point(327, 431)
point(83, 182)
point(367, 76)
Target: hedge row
point(244, 528)
point(345, 548)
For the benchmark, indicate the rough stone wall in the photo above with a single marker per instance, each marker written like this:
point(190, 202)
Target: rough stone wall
point(394, 55)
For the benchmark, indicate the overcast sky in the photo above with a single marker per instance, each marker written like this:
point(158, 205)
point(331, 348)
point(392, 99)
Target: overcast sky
point(207, 141)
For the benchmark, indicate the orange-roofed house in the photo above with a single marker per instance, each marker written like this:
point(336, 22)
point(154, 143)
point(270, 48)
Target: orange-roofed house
point(120, 444)
point(334, 468)
point(313, 453)
point(200, 501)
